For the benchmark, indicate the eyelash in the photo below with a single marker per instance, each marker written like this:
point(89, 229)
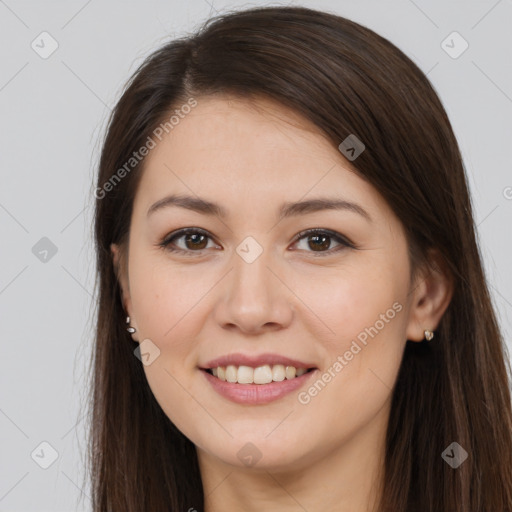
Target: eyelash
point(343, 241)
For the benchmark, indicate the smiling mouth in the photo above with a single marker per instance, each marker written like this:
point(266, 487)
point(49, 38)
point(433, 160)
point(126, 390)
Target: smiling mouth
point(260, 375)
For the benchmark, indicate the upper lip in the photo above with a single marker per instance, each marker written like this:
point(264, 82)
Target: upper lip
point(255, 361)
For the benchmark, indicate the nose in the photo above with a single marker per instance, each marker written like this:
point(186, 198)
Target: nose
point(254, 298)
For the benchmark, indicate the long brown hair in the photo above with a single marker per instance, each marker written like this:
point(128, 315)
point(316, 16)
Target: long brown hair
point(346, 79)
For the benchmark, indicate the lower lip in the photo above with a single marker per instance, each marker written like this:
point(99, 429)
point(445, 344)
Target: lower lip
point(255, 394)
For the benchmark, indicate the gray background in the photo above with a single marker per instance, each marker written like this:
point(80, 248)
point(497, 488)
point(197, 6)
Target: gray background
point(53, 112)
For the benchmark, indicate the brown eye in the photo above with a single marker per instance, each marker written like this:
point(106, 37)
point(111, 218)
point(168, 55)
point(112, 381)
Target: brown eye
point(320, 241)
point(194, 240)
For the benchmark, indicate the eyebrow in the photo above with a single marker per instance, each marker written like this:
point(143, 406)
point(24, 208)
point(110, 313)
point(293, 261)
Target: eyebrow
point(288, 209)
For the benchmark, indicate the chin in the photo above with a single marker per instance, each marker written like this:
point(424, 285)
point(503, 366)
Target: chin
point(261, 454)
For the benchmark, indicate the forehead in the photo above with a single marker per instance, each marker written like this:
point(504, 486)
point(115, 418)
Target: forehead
point(233, 125)
point(243, 152)
point(230, 131)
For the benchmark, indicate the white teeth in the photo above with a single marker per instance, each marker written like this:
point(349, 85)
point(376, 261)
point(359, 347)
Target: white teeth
point(245, 375)
point(290, 372)
point(231, 373)
point(278, 372)
point(263, 374)
point(260, 375)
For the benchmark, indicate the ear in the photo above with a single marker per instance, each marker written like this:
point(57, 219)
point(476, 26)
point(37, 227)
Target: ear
point(121, 271)
point(431, 293)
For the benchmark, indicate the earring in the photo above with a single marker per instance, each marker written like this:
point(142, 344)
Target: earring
point(130, 329)
point(429, 334)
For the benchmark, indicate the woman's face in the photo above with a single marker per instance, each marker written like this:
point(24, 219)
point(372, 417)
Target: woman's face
point(245, 292)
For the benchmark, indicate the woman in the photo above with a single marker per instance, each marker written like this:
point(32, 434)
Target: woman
point(292, 309)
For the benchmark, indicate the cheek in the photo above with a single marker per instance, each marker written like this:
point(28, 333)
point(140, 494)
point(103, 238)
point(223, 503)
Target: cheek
point(154, 303)
point(362, 335)
point(350, 300)
point(169, 302)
